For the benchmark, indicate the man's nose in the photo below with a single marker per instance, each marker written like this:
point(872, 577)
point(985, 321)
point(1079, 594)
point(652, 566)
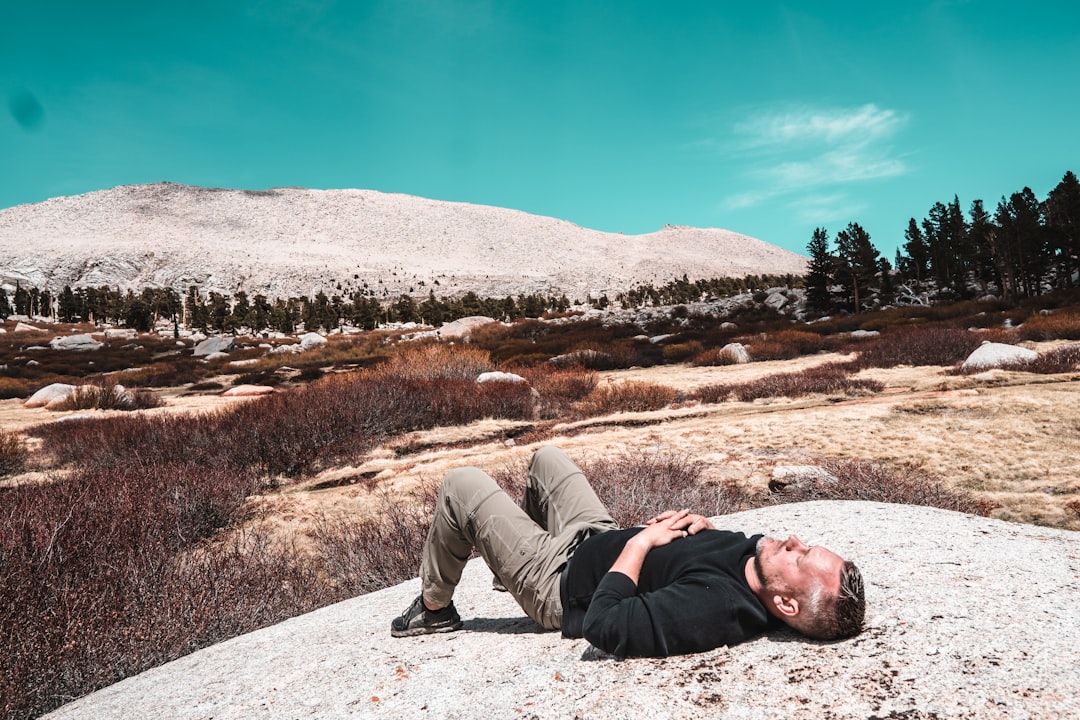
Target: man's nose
point(794, 543)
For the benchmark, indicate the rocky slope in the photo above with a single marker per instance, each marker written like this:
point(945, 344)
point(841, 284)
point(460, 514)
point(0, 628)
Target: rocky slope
point(969, 617)
point(292, 241)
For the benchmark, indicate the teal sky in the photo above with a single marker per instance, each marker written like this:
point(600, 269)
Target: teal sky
point(765, 118)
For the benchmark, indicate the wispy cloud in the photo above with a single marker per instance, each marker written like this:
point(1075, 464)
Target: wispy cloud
point(807, 155)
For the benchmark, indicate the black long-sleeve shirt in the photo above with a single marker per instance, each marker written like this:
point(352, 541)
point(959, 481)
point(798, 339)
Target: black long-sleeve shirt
point(691, 595)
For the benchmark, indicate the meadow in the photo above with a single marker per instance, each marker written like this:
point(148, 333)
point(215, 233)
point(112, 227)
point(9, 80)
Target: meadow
point(131, 537)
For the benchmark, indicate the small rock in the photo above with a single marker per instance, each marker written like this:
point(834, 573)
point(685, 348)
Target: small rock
point(496, 376)
point(247, 391)
point(24, 328)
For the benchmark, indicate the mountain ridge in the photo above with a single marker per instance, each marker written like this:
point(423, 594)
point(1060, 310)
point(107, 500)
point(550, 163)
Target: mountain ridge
point(295, 241)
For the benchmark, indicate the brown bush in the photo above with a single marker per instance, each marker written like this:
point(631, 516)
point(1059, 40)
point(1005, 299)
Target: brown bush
point(108, 396)
point(630, 396)
point(426, 361)
point(681, 351)
point(714, 357)
point(828, 379)
point(785, 345)
point(559, 387)
point(636, 486)
point(288, 432)
point(863, 480)
point(13, 453)
point(1063, 360)
point(17, 387)
point(109, 572)
point(362, 555)
point(1061, 325)
point(918, 346)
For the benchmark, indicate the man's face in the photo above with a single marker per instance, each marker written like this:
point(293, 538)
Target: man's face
point(789, 567)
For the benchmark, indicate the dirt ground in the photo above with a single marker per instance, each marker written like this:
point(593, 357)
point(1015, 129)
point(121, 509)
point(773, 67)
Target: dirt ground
point(1008, 437)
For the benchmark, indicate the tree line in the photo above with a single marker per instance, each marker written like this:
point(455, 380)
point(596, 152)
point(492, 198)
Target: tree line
point(221, 312)
point(1026, 247)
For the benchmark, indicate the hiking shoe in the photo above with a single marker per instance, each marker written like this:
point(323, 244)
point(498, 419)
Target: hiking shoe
point(418, 620)
point(498, 584)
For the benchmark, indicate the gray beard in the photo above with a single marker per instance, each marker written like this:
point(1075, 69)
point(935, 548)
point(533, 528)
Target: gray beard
point(757, 563)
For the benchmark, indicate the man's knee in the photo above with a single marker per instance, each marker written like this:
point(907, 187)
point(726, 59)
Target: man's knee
point(465, 488)
point(551, 463)
point(548, 454)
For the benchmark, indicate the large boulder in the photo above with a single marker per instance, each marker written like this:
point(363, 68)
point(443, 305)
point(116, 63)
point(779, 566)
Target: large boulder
point(311, 340)
point(75, 343)
point(735, 353)
point(57, 392)
point(994, 355)
point(462, 328)
point(961, 624)
point(209, 346)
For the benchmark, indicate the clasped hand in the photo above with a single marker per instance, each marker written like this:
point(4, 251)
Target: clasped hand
point(671, 525)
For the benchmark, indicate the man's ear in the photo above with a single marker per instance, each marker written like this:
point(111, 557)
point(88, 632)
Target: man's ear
point(788, 607)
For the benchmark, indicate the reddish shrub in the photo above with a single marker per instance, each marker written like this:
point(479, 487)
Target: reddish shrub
point(630, 396)
point(918, 346)
point(13, 453)
point(862, 480)
point(1061, 325)
point(559, 387)
point(785, 345)
point(826, 379)
point(635, 487)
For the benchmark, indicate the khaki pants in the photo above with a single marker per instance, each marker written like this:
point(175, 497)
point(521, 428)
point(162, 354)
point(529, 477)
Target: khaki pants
point(526, 547)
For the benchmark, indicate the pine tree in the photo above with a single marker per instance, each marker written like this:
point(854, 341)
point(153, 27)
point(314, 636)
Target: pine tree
point(918, 253)
point(819, 272)
point(1063, 229)
point(858, 262)
point(981, 235)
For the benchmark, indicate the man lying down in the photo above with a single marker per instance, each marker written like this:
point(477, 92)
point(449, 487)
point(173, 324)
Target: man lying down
point(674, 585)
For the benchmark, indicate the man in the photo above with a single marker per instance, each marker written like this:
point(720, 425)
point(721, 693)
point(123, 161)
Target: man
point(674, 585)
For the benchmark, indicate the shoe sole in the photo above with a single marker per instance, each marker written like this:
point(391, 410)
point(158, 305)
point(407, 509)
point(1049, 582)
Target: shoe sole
point(428, 630)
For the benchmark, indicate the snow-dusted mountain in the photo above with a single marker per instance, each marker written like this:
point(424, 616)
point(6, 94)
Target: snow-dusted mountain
point(293, 241)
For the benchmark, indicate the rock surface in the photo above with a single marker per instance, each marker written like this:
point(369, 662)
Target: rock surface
point(311, 340)
point(460, 328)
point(294, 241)
point(75, 343)
point(968, 618)
point(56, 392)
point(499, 376)
point(213, 345)
point(994, 355)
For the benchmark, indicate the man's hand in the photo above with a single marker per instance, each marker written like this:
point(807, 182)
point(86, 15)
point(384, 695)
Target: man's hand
point(661, 530)
point(694, 523)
